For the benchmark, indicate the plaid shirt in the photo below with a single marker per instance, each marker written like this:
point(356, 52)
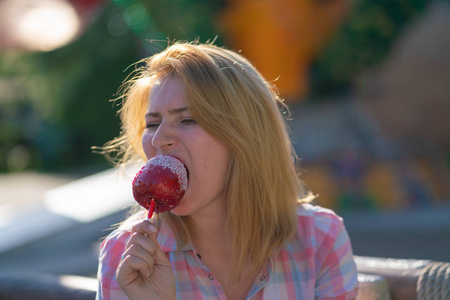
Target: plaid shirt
point(317, 264)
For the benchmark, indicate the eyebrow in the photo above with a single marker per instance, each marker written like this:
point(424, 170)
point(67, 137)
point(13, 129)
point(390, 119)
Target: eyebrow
point(173, 111)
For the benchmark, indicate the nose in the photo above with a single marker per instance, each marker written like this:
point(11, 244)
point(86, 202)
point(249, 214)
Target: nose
point(164, 137)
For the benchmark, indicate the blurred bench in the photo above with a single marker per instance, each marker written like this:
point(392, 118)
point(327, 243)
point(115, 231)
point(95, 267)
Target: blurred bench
point(404, 279)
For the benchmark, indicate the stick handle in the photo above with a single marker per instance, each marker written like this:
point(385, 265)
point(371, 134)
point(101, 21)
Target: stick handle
point(151, 209)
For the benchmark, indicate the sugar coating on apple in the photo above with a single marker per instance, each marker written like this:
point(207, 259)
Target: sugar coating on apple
point(163, 179)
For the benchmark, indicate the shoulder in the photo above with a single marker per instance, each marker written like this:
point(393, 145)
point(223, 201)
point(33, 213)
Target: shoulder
point(317, 212)
point(322, 231)
point(318, 222)
point(322, 228)
point(115, 242)
point(319, 232)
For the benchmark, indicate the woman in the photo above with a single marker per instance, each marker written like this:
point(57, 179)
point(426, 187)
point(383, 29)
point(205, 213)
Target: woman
point(244, 228)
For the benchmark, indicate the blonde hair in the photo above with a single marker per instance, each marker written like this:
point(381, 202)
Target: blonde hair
point(230, 99)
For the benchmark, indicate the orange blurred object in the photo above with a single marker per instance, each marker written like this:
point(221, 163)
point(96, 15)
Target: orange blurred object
point(282, 37)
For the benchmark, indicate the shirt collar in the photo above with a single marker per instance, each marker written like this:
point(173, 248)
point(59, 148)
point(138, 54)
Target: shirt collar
point(167, 240)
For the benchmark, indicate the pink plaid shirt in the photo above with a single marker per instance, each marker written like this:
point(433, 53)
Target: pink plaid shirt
point(317, 264)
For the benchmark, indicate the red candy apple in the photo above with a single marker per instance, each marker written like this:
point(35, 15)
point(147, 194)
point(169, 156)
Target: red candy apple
point(160, 184)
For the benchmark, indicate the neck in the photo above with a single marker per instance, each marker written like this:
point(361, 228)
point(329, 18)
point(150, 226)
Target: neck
point(209, 232)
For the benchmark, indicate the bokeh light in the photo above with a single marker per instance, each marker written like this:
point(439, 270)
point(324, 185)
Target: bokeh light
point(39, 25)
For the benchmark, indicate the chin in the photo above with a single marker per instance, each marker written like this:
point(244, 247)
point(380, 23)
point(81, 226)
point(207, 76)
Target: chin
point(180, 211)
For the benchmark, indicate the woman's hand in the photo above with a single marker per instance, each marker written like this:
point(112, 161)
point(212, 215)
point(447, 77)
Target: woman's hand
point(144, 271)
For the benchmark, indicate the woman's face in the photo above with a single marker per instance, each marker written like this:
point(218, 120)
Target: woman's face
point(171, 130)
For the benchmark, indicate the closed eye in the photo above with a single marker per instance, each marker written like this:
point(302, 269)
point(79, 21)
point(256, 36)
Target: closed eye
point(188, 121)
point(151, 125)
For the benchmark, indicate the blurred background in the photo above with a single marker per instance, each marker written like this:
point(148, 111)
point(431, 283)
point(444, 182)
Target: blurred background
point(367, 81)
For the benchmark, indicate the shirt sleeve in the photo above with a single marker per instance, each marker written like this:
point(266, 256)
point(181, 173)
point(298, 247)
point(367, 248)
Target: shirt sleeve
point(110, 254)
point(337, 276)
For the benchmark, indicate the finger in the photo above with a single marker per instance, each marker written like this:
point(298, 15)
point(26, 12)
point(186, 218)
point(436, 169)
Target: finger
point(145, 228)
point(130, 267)
point(145, 242)
point(137, 251)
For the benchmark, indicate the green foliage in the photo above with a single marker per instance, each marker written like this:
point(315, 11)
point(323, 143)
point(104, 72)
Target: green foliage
point(59, 104)
point(363, 42)
point(158, 21)
point(185, 19)
point(55, 105)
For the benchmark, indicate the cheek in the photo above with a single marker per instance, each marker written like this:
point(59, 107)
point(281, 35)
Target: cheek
point(216, 162)
point(149, 150)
